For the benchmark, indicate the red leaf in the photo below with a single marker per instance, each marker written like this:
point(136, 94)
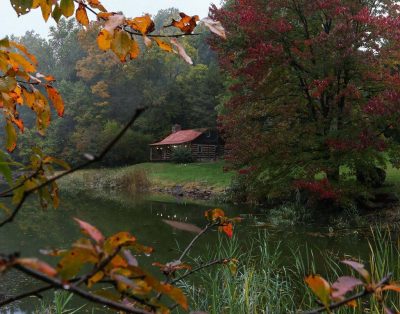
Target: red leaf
point(359, 268)
point(38, 265)
point(183, 226)
point(227, 229)
point(90, 230)
point(344, 285)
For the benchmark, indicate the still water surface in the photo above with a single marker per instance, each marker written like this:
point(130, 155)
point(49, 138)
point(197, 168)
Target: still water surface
point(37, 229)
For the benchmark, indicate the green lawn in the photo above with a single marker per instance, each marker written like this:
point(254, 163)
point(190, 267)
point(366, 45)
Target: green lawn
point(207, 174)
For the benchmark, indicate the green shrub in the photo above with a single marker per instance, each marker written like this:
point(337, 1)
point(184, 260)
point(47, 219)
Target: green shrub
point(182, 155)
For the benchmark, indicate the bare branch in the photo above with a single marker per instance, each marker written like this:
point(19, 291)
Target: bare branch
point(206, 228)
point(218, 261)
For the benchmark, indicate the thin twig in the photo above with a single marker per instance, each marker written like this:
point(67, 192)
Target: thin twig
point(78, 291)
point(85, 164)
point(8, 192)
point(219, 261)
point(208, 226)
point(357, 296)
point(26, 295)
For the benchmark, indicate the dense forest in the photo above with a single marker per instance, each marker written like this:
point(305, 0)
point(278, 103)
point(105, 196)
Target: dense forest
point(100, 93)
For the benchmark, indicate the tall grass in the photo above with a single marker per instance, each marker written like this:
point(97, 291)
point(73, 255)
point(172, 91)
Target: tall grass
point(59, 305)
point(265, 283)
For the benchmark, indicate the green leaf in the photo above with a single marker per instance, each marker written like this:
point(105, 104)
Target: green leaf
point(67, 7)
point(121, 45)
point(5, 42)
point(7, 84)
point(56, 14)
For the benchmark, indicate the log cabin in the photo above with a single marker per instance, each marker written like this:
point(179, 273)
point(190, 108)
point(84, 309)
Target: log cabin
point(204, 144)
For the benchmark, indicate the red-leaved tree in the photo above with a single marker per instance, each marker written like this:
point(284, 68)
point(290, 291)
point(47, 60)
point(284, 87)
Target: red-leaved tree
point(314, 92)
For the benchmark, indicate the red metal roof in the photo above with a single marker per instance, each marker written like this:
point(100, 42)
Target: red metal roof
point(180, 137)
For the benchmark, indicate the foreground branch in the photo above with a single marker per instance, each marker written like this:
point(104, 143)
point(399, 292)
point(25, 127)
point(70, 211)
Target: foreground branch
point(91, 160)
point(130, 30)
point(21, 296)
point(357, 296)
point(57, 284)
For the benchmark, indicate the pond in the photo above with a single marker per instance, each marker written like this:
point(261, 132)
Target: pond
point(54, 228)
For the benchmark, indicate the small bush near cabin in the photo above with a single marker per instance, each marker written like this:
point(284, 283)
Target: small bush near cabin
point(181, 155)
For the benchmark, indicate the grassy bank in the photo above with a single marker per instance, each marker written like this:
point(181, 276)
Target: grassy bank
point(151, 176)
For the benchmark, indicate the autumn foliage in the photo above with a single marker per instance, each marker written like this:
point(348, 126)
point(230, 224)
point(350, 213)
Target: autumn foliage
point(314, 90)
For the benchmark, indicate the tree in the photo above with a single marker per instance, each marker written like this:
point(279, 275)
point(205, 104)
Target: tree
point(112, 262)
point(314, 94)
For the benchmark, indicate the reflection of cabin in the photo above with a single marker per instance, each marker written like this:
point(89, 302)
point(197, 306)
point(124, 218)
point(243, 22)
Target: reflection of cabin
point(204, 144)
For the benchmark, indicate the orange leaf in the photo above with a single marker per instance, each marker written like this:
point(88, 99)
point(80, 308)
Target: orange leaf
point(391, 287)
point(104, 40)
point(38, 265)
point(143, 24)
point(134, 51)
point(214, 214)
point(56, 99)
point(186, 24)
point(90, 230)
point(163, 45)
point(81, 15)
point(97, 5)
point(227, 229)
point(320, 287)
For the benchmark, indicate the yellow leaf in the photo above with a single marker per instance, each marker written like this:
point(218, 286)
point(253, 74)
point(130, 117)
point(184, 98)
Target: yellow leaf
point(119, 239)
point(45, 6)
point(21, 61)
point(96, 278)
point(11, 142)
